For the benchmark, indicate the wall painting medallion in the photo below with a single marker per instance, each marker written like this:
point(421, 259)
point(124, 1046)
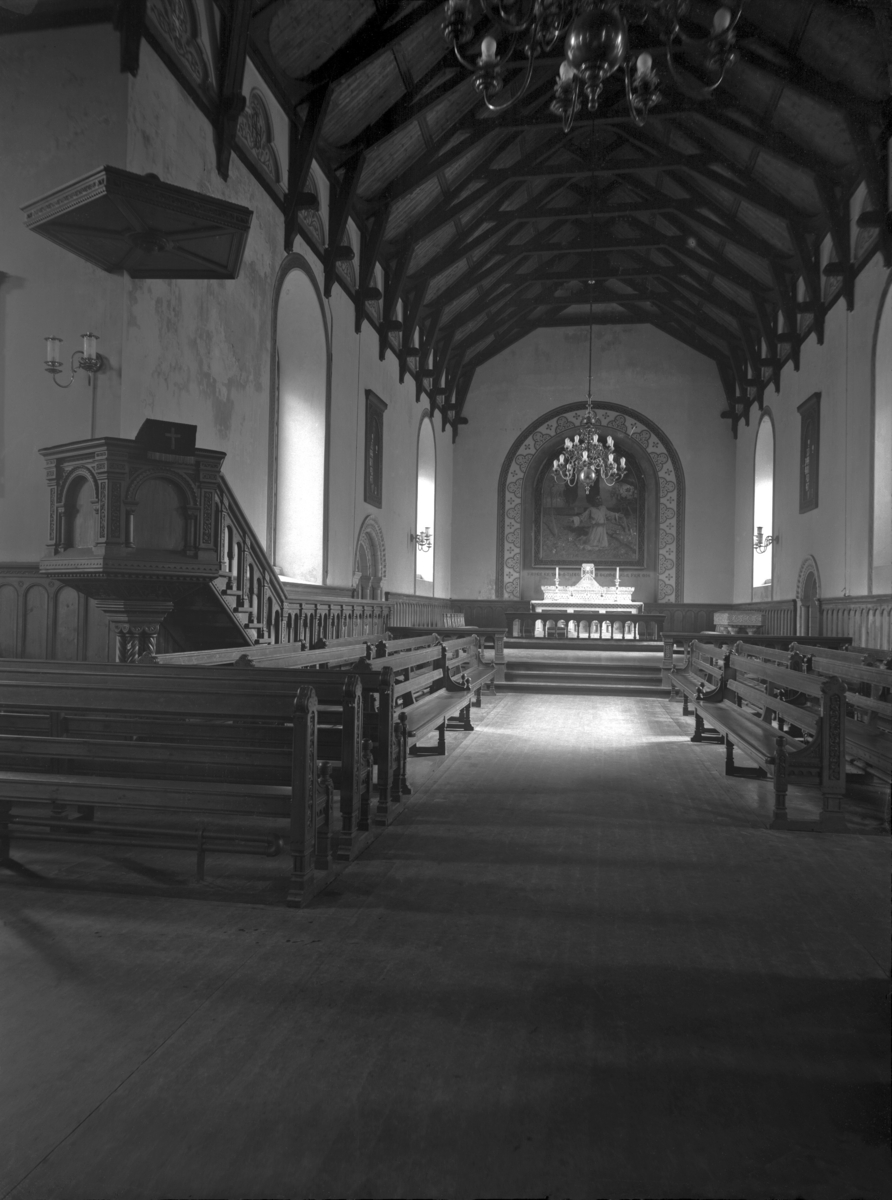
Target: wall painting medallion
point(809, 451)
point(375, 407)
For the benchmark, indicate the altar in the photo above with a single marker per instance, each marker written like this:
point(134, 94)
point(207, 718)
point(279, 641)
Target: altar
point(586, 610)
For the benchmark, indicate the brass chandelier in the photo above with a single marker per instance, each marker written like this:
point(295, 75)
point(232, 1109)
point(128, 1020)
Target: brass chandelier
point(595, 37)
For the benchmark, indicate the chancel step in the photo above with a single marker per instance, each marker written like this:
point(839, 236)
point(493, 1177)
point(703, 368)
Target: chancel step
point(569, 673)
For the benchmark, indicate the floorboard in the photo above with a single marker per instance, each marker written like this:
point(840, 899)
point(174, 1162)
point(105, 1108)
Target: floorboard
point(578, 965)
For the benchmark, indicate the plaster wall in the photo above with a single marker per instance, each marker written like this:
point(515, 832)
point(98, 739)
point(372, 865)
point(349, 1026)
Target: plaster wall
point(838, 532)
point(64, 108)
point(198, 351)
point(202, 349)
point(635, 366)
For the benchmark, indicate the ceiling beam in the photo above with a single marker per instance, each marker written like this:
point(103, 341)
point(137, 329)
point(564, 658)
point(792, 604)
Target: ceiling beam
point(302, 147)
point(231, 100)
point(340, 201)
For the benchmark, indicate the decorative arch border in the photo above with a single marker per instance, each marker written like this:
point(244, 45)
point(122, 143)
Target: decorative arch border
point(370, 531)
point(667, 468)
point(809, 566)
point(182, 482)
point(78, 472)
point(295, 262)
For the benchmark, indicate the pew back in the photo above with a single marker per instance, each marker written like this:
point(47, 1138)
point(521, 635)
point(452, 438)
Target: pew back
point(112, 738)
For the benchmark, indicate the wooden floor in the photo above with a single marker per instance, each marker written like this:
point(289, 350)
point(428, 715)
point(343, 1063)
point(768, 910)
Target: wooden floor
point(578, 966)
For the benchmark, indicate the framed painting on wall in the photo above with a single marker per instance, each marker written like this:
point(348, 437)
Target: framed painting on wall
point(373, 490)
point(809, 451)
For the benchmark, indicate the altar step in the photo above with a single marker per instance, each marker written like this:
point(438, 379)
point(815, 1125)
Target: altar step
point(585, 645)
point(594, 677)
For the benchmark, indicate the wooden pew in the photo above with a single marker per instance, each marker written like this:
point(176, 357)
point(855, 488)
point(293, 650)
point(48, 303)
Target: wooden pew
point(750, 683)
point(121, 738)
point(700, 672)
point(324, 669)
point(868, 703)
point(429, 699)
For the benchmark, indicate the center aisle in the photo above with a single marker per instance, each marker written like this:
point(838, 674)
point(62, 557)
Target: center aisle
point(579, 965)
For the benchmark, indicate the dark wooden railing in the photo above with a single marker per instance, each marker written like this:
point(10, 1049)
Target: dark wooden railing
point(866, 619)
point(272, 611)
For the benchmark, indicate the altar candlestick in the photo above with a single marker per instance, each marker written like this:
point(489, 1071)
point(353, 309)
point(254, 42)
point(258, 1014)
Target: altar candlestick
point(617, 578)
point(557, 577)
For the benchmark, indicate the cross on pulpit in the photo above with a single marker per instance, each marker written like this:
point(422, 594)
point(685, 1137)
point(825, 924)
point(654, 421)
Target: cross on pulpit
point(167, 437)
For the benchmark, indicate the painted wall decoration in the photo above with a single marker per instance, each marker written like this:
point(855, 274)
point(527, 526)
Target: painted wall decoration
point(604, 525)
point(177, 21)
point(809, 451)
point(255, 131)
point(373, 490)
point(585, 538)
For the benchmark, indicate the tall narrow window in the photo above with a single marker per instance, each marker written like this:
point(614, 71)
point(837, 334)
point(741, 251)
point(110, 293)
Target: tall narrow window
point(881, 549)
point(425, 510)
point(763, 509)
point(301, 430)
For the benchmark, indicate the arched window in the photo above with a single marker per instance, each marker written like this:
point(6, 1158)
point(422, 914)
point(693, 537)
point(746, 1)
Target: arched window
point(881, 534)
point(763, 508)
point(301, 430)
point(425, 509)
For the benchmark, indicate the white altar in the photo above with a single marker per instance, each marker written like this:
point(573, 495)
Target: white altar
point(586, 596)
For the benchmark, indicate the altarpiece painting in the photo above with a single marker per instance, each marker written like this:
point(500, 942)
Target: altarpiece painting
point(604, 525)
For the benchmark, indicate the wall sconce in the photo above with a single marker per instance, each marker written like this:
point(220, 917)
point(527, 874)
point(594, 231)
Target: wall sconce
point(90, 360)
point(760, 543)
point(423, 540)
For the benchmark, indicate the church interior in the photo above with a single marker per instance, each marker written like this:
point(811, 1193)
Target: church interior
point(477, 431)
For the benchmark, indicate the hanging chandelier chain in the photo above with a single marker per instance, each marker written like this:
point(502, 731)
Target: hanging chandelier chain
point(585, 457)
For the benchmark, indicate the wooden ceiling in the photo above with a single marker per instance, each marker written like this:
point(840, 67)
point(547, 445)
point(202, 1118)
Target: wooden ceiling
point(699, 224)
point(707, 223)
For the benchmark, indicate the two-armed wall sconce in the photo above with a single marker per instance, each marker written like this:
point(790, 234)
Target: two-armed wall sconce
point(760, 543)
point(422, 539)
point(90, 360)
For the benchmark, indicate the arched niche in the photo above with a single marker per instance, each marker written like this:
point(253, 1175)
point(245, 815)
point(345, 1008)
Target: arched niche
point(370, 561)
point(808, 597)
point(299, 432)
point(80, 525)
point(657, 470)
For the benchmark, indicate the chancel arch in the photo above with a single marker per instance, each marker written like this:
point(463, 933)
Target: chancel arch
point(301, 383)
point(543, 525)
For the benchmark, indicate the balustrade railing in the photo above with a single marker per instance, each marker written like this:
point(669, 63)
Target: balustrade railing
point(421, 612)
point(866, 619)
